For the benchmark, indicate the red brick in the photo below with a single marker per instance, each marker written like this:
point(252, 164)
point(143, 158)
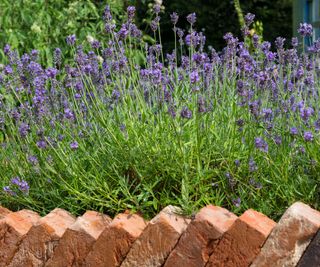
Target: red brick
point(40, 241)
point(13, 228)
point(115, 241)
point(242, 243)
point(4, 212)
point(158, 239)
point(290, 237)
point(202, 235)
point(77, 240)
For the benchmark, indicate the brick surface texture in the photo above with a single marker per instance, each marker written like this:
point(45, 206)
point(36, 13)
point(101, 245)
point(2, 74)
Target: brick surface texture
point(40, 241)
point(290, 237)
point(214, 237)
point(13, 228)
point(115, 241)
point(78, 239)
point(201, 237)
point(242, 243)
point(158, 239)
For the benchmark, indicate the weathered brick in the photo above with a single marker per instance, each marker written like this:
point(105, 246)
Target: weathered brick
point(290, 237)
point(13, 228)
point(77, 240)
point(311, 256)
point(40, 241)
point(240, 245)
point(4, 212)
point(202, 235)
point(158, 239)
point(115, 241)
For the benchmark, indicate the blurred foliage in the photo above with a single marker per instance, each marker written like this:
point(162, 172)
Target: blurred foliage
point(44, 24)
point(216, 17)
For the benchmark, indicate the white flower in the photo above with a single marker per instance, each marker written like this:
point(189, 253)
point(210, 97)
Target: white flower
point(90, 39)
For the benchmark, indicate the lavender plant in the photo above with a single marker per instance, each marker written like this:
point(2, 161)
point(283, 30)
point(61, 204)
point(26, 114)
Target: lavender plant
point(109, 132)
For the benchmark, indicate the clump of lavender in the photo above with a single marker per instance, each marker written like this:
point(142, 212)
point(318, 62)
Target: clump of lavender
point(167, 124)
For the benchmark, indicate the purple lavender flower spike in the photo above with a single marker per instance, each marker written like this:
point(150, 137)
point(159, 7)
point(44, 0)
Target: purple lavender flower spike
point(308, 136)
point(74, 145)
point(261, 144)
point(131, 10)
point(237, 202)
point(279, 42)
point(305, 29)
point(192, 18)
point(194, 77)
point(9, 191)
point(174, 18)
point(294, 131)
point(249, 18)
point(294, 42)
point(42, 144)
point(156, 9)
point(186, 113)
point(71, 39)
point(33, 160)
point(252, 165)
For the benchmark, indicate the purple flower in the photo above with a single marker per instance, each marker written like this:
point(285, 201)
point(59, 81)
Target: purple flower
point(261, 144)
point(174, 18)
point(24, 129)
point(6, 49)
point(237, 162)
point(249, 18)
point(308, 136)
point(33, 160)
point(41, 144)
point(294, 42)
point(201, 105)
point(194, 77)
point(68, 114)
point(305, 29)
point(8, 69)
point(294, 131)
point(107, 14)
point(154, 25)
point(95, 44)
point(191, 18)
point(237, 202)
point(51, 72)
point(71, 39)
point(57, 57)
point(21, 184)
point(306, 113)
point(186, 113)
point(278, 140)
point(130, 12)
point(252, 165)
point(265, 46)
point(156, 9)
point(279, 42)
point(271, 56)
point(74, 145)
point(9, 191)
point(115, 95)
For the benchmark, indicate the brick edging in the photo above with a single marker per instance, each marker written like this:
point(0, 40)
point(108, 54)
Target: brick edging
point(215, 237)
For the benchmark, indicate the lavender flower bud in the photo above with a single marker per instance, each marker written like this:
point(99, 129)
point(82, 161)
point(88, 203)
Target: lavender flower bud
point(192, 18)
